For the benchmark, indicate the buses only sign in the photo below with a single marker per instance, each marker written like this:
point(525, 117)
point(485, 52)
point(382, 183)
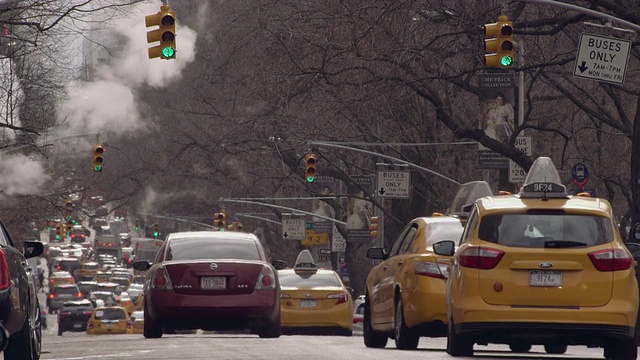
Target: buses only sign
point(602, 58)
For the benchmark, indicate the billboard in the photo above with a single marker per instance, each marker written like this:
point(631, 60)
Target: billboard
point(359, 208)
point(496, 116)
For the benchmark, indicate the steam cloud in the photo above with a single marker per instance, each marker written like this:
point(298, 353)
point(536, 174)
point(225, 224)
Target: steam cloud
point(20, 175)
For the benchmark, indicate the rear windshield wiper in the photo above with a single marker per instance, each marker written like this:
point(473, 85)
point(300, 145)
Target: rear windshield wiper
point(563, 244)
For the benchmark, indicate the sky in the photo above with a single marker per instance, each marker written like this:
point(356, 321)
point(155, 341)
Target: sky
point(109, 100)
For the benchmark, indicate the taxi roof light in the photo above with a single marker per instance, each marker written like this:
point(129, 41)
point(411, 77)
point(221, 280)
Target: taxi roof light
point(304, 262)
point(543, 181)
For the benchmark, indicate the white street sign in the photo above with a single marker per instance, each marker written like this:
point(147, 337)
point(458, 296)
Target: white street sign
point(293, 229)
point(516, 173)
point(338, 243)
point(393, 184)
point(602, 58)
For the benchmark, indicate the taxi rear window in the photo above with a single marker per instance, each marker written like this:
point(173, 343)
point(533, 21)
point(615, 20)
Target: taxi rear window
point(91, 266)
point(545, 230)
point(291, 279)
point(110, 314)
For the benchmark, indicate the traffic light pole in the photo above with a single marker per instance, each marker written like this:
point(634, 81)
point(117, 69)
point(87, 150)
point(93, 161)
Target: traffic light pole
point(258, 217)
point(321, 144)
point(286, 208)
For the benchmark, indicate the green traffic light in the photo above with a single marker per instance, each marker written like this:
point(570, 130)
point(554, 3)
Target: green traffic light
point(311, 178)
point(98, 168)
point(57, 237)
point(137, 228)
point(155, 233)
point(168, 52)
point(506, 60)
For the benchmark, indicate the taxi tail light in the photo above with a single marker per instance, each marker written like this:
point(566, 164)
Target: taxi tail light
point(357, 320)
point(79, 294)
point(161, 279)
point(51, 296)
point(265, 279)
point(611, 260)
point(90, 325)
point(480, 257)
point(5, 280)
point(428, 268)
point(70, 280)
point(129, 324)
point(59, 267)
point(341, 297)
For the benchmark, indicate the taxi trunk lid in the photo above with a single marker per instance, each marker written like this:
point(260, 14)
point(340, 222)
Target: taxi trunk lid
point(564, 277)
point(226, 277)
point(318, 298)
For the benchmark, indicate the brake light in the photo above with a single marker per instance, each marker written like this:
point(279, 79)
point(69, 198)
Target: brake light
point(51, 296)
point(65, 313)
point(129, 324)
point(161, 279)
point(90, 325)
point(79, 294)
point(480, 257)
point(59, 267)
point(341, 297)
point(83, 236)
point(89, 313)
point(432, 269)
point(357, 320)
point(611, 260)
point(5, 280)
point(70, 280)
point(265, 279)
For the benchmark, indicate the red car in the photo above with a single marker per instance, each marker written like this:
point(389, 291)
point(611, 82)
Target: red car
point(212, 281)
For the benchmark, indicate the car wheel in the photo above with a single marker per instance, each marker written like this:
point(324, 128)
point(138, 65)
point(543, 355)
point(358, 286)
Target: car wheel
point(151, 329)
point(555, 348)
point(521, 347)
point(272, 330)
point(458, 345)
point(406, 339)
point(372, 338)
point(21, 347)
point(624, 350)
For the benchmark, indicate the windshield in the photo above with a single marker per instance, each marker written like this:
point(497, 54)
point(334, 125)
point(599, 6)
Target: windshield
point(544, 229)
point(110, 314)
point(65, 290)
point(191, 249)
point(319, 279)
point(444, 231)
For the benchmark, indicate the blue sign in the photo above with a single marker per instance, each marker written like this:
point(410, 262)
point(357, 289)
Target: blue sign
point(580, 175)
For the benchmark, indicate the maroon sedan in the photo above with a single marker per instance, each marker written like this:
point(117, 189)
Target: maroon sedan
point(212, 281)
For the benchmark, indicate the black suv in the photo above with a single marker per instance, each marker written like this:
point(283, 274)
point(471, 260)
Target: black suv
point(74, 315)
point(19, 306)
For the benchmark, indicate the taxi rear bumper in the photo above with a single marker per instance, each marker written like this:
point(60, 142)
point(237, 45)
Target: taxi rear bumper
point(337, 317)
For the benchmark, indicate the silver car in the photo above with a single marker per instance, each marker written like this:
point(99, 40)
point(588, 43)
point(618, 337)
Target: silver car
point(61, 293)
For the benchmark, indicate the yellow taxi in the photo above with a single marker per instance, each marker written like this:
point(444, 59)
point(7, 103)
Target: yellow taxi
point(60, 278)
point(406, 292)
point(138, 279)
point(542, 267)
point(87, 271)
point(109, 320)
point(314, 300)
point(139, 303)
point(103, 276)
point(126, 302)
point(137, 317)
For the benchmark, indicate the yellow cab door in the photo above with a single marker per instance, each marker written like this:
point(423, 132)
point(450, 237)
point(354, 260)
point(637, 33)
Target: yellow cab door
point(382, 301)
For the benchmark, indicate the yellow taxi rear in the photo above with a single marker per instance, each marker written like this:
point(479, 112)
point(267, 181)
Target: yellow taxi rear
point(87, 271)
point(109, 320)
point(314, 300)
point(542, 267)
point(137, 317)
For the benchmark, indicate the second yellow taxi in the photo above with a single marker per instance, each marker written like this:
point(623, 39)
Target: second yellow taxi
point(109, 320)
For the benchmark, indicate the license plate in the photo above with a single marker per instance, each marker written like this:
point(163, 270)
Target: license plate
point(213, 282)
point(545, 278)
point(109, 326)
point(77, 326)
point(307, 303)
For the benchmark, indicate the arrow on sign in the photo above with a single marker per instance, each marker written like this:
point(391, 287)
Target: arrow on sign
point(382, 191)
point(583, 67)
point(286, 235)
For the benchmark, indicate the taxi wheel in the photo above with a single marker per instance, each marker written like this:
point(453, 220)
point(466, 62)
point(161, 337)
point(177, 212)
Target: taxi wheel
point(406, 339)
point(151, 329)
point(458, 345)
point(555, 349)
point(522, 347)
point(625, 350)
point(372, 338)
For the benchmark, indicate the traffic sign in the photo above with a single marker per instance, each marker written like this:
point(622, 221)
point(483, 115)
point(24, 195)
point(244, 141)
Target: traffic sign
point(293, 229)
point(338, 243)
point(393, 184)
point(312, 238)
point(580, 175)
point(516, 173)
point(602, 58)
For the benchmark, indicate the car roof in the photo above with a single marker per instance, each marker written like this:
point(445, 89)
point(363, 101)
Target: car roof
point(227, 235)
point(61, 274)
point(65, 285)
point(78, 302)
point(439, 220)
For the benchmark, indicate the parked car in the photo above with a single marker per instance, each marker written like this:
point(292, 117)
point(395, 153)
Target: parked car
point(358, 315)
point(212, 281)
point(19, 305)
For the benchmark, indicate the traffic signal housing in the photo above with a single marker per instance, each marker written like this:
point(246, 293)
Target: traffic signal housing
point(375, 227)
point(68, 210)
point(137, 226)
point(498, 44)
point(98, 157)
point(156, 231)
point(165, 20)
point(310, 167)
point(58, 232)
point(220, 220)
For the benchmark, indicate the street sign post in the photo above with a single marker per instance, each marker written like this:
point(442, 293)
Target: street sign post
point(293, 229)
point(338, 243)
point(393, 184)
point(516, 173)
point(580, 175)
point(602, 58)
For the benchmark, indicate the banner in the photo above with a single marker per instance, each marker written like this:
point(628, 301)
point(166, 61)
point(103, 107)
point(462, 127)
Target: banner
point(496, 116)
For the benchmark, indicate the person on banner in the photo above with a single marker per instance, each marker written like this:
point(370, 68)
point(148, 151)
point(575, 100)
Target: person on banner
point(361, 212)
point(499, 119)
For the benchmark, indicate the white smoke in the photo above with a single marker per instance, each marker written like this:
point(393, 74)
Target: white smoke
point(20, 175)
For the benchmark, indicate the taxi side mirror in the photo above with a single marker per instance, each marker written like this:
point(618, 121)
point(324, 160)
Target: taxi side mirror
point(634, 249)
point(279, 264)
point(634, 235)
point(444, 248)
point(377, 253)
point(351, 291)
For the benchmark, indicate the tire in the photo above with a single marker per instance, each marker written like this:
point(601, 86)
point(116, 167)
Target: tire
point(270, 331)
point(406, 339)
point(151, 329)
point(372, 338)
point(458, 345)
point(22, 346)
point(625, 350)
point(521, 347)
point(557, 349)
point(60, 332)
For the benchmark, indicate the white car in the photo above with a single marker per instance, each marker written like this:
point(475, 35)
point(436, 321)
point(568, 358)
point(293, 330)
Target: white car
point(358, 315)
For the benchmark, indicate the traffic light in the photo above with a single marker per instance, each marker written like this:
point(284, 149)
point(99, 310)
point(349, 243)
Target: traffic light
point(137, 225)
point(239, 226)
point(310, 170)
point(220, 220)
point(375, 227)
point(68, 210)
point(498, 44)
point(58, 232)
point(165, 34)
point(156, 230)
point(98, 157)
